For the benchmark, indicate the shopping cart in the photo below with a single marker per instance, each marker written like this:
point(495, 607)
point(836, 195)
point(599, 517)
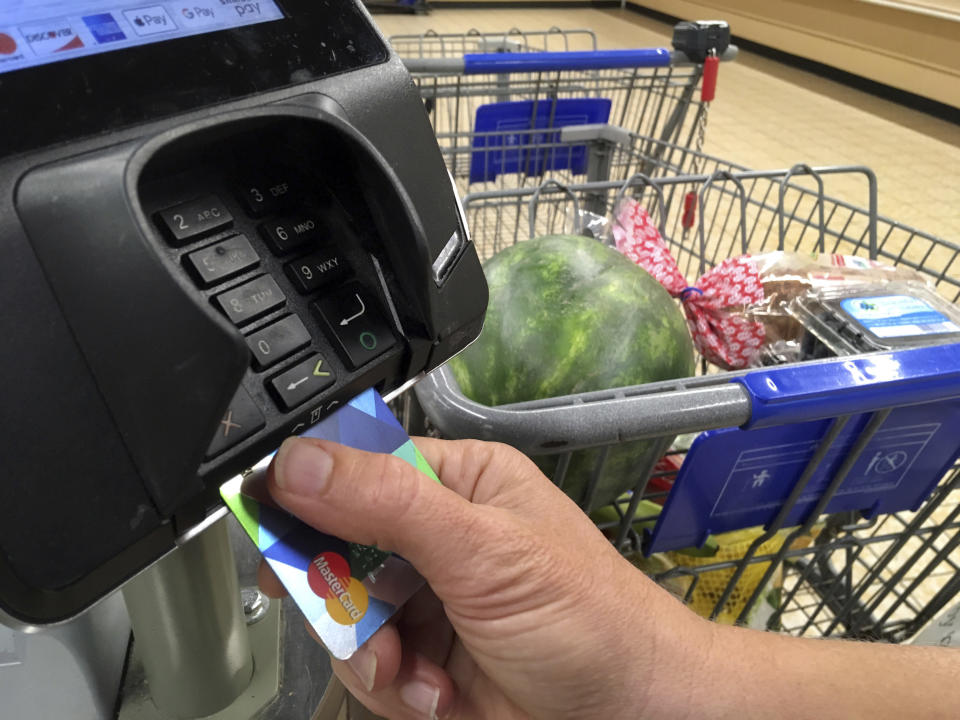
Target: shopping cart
point(496, 114)
point(831, 551)
point(431, 44)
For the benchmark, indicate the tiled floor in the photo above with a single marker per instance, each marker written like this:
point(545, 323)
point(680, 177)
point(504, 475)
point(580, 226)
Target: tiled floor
point(768, 115)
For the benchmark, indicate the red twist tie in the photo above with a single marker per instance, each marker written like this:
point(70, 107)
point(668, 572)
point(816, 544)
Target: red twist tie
point(724, 338)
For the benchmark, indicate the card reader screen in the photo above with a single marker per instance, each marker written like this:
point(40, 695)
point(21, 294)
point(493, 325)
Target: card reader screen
point(71, 69)
point(36, 33)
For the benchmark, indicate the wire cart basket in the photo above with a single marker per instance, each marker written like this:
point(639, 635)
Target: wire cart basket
point(431, 44)
point(498, 115)
point(860, 537)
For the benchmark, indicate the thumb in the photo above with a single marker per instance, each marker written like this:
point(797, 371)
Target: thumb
point(372, 499)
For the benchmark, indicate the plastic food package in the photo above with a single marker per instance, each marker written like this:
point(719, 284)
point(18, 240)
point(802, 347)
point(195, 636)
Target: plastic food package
point(591, 225)
point(792, 278)
point(863, 318)
point(739, 311)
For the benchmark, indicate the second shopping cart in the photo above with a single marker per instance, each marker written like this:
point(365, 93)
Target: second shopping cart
point(499, 116)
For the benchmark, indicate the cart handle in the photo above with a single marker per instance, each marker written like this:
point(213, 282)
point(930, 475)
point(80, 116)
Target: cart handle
point(506, 63)
point(582, 421)
point(800, 392)
point(851, 385)
point(486, 63)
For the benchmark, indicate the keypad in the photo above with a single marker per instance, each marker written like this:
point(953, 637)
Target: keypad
point(274, 262)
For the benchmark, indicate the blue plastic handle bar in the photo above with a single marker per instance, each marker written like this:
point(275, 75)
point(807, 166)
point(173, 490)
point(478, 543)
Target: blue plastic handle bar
point(504, 63)
point(846, 386)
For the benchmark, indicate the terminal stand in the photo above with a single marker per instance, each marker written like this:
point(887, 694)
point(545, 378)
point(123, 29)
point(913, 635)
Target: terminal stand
point(192, 644)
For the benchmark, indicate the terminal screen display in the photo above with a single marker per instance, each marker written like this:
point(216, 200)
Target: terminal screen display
point(36, 33)
point(72, 69)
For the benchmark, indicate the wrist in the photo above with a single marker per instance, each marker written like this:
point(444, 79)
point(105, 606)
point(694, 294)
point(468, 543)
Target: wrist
point(670, 652)
point(728, 670)
point(690, 649)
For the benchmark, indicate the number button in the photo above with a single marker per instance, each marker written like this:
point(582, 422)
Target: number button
point(254, 200)
point(278, 341)
point(288, 233)
point(194, 219)
point(251, 300)
point(265, 194)
point(222, 260)
point(316, 270)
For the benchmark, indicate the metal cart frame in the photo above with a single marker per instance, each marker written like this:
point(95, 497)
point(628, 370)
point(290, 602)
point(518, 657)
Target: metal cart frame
point(431, 44)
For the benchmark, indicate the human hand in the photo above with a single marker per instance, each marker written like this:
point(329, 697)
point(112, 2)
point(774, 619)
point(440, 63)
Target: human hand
point(530, 611)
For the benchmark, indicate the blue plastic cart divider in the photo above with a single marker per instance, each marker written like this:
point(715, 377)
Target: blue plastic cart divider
point(503, 63)
point(737, 478)
point(502, 151)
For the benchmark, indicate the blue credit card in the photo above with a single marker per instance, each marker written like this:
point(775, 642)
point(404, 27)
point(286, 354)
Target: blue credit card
point(346, 591)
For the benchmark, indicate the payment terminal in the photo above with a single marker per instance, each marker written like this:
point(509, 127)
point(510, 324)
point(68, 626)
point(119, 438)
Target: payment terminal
point(219, 220)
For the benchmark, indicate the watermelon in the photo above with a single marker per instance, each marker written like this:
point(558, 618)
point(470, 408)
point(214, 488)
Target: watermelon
point(566, 315)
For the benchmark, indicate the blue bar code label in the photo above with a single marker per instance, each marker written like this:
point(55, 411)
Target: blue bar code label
point(894, 316)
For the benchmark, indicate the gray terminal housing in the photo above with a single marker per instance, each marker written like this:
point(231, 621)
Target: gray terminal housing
point(121, 361)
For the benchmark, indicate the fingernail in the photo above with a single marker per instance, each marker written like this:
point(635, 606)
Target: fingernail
point(421, 697)
point(364, 664)
point(301, 467)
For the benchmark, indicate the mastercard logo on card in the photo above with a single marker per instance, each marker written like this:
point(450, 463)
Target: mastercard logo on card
point(329, 577)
